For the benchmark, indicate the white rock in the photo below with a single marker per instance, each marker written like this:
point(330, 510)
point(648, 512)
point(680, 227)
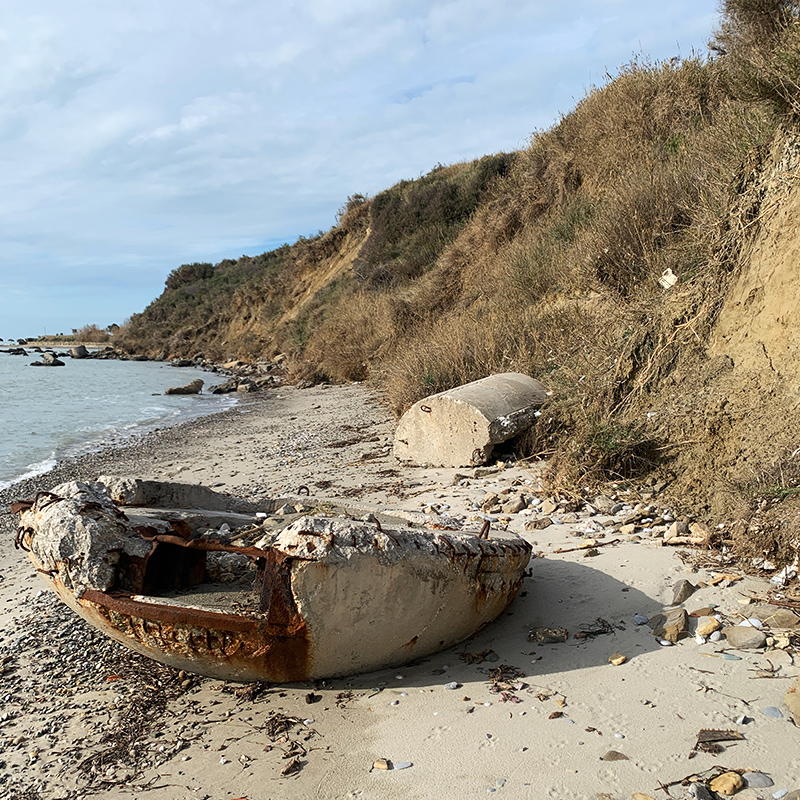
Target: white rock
point(752, 622)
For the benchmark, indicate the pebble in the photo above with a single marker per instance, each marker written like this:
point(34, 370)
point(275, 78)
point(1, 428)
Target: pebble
point(614, 755)
point(743, 720)
point(682, 590)
point(403, 765)
point(728, 783)
point(707, 625)
point(780, 793)
point(451, 685)
point(617, 659)
point(773, 712)
point(665, 642)
point(715, 637)
point(757, 780)
point(731, 657)
point(640, 619)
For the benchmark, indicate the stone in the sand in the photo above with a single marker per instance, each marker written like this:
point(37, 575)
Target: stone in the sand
point(682, 591)
point(672, 626)
point(538, 524)
point(640, 619)
point(772, 712)
point(514, 505)
point(617, 659)
point(728, 783)
point(191, 388)
point(776, 617)
point(707, 625)
point(614, 755)
point(382, 763)
point(548, 507)
point(699, 791)
point(757, 780)
point(744, 637)
point(677, 529)
point(461, 426)
point(792, 700)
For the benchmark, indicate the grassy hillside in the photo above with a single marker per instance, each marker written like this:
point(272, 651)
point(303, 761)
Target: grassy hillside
point(548, 261)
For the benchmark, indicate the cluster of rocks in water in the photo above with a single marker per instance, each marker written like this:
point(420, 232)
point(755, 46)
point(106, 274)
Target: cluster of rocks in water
point(243, 377)
point(53, 358)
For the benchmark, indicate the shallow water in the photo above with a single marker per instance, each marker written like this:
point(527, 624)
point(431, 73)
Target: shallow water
point(51, 413)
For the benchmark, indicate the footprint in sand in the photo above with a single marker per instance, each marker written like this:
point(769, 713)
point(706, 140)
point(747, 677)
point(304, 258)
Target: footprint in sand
point(437, 733)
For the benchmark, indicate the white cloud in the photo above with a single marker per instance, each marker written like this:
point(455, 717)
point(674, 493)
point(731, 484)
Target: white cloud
point(137, 135)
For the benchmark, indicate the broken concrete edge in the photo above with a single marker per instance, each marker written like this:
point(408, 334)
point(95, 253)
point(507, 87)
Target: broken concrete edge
point(461, 426)
point(135, 493)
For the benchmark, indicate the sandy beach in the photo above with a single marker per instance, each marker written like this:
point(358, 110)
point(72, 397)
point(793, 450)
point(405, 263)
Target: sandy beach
point(82, 717)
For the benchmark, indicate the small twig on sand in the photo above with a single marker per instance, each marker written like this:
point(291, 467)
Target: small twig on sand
point(585, 547)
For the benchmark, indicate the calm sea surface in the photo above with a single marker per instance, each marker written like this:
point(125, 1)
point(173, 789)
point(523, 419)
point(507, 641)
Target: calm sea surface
point(49, 413)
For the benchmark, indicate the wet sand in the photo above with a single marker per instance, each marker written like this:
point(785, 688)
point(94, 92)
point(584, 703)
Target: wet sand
point(82, 716)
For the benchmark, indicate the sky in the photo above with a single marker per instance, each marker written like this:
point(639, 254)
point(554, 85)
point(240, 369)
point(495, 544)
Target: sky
point(139, 135)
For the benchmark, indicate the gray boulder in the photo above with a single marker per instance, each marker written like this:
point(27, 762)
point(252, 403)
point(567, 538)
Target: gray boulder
point(48, 360)
point(78, 351)
point(744, 637)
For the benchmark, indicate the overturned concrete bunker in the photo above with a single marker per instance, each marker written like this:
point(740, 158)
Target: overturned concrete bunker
point(460, 427)
point(212, 591)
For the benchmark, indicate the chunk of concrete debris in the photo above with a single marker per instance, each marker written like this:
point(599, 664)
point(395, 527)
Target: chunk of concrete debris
point(460, 427)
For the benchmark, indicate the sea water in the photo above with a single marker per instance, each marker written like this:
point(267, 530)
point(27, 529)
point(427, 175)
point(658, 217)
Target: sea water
point(51, 413)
